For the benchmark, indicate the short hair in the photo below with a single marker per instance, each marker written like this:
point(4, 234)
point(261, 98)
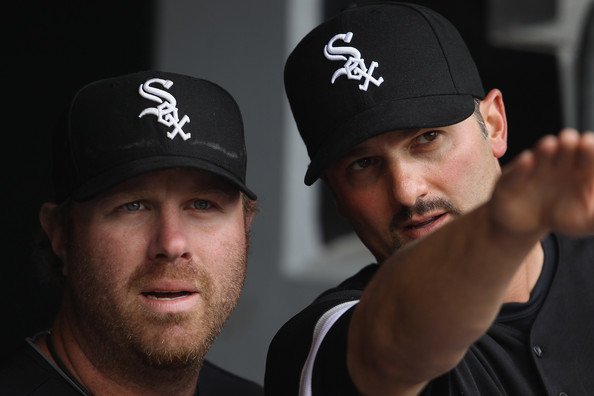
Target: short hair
point(479, 118)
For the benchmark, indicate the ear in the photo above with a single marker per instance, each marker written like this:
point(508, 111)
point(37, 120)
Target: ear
point(493, 112)
point(249, 218)
point(249, 209)
point(340, 208)
point(337, 202)
point(53, 227)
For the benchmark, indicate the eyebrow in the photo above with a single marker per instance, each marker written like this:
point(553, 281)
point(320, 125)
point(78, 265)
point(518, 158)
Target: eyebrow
point(361, 147)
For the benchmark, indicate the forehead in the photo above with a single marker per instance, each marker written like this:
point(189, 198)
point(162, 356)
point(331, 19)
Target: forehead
point(383, 138)
point(402, 135)
point(179, 179)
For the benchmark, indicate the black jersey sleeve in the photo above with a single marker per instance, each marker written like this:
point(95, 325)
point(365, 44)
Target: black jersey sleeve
point(310, 349)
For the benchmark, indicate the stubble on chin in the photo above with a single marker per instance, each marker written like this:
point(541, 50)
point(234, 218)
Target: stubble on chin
point(182, 340)
point(121, 333)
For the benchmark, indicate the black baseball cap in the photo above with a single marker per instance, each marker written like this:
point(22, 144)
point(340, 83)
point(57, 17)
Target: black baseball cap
point(120, 127)
point(377, 68)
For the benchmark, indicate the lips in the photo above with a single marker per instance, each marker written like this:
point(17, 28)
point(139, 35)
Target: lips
point(166, 295)
point(422, 223)
point(419, 227)
point(170, 296)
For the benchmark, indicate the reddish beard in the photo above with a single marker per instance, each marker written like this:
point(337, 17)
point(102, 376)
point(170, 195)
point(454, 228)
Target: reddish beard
point(119, 333)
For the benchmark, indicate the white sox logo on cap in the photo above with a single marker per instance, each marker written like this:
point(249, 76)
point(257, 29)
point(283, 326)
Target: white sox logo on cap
point(354, 68)
point(166, 111)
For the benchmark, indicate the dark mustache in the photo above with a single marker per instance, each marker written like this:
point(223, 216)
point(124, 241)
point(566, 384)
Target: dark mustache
point(420, 208)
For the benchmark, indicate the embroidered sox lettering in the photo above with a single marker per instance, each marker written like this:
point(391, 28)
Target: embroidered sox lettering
point(354, 68)
point(166, 111)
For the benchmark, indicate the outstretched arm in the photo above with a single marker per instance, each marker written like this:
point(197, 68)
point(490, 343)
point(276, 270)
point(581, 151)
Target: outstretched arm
point(433, 298)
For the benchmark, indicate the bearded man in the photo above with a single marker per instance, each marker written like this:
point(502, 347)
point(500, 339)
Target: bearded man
point(149, 235)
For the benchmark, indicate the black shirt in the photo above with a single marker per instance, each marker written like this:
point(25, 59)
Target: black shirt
point(542, 347)
point(28, 372)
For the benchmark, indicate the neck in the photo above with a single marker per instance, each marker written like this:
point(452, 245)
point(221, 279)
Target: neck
point(526, 277)
point(129, 376)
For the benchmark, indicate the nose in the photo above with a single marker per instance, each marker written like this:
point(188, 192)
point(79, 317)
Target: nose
point(170, 239)
point(407, 183)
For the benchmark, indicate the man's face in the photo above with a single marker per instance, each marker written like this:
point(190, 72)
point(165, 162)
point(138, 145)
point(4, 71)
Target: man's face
point(155, 266)
point(399, 186)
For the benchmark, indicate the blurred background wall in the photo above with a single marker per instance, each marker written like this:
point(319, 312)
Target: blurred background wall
point(539, 52)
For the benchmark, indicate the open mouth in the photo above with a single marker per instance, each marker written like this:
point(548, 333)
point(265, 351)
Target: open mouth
point(424, 223)
point(173, 295)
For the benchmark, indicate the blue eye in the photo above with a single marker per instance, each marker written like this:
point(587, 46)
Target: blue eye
point(132, 206)
point(202, 204)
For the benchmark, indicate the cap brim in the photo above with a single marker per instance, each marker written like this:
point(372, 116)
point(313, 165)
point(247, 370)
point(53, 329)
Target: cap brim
point(119, 174)
point(424, 112)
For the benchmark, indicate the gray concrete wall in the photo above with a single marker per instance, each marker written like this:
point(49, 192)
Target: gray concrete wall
point(241, 46)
